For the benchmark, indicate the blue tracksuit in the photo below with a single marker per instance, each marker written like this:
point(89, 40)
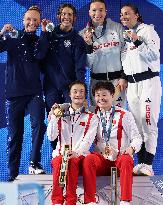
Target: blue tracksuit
point(23, 91)
point(64, 55)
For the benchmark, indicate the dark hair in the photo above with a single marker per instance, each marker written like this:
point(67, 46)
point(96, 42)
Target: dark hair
point(78, 82)
point(103, 85)
point(62, 6)
point(34, 8)
point(136, 11)
point(100, 1)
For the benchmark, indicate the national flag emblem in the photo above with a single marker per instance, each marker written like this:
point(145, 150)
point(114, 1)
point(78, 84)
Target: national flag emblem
point(82, 123)
point(114, 122)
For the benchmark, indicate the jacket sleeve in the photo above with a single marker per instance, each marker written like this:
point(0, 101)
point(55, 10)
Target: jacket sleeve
point(120, 32)
point(99, 142)
point(4, 44)
point(149, 48)
point(89, 50)
point(89, 137)
point(52, 129)
point(42, 46)
point(80, 59)
point(132, 132)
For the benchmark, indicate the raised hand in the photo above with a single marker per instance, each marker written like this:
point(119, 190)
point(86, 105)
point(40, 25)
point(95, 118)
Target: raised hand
point(6, 27)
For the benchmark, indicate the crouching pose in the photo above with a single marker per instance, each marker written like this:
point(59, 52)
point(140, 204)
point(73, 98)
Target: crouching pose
point(118, 129)
point(76, 128)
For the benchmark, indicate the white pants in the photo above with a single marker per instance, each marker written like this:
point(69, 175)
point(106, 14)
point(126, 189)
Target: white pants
point(144, 99)
point(120, 99)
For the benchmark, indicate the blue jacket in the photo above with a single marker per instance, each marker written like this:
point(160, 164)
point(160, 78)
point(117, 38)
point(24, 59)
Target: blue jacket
point(64, 55)
point(22, 75)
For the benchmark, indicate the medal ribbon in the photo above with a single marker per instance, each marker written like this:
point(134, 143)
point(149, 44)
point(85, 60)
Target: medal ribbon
point(106, 133)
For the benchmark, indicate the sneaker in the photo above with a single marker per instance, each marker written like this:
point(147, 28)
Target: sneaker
point(36, 168)
point(57, 204)
point(11, 178)
point(124, 203)
point(147, 170)
point(136, 169)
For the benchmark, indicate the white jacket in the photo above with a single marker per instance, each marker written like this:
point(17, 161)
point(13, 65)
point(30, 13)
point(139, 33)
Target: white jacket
point(147, 55)
point(130, 133)
point(106, 56)
point(75, 130)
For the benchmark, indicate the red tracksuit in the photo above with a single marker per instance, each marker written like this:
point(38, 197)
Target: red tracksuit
point(74, 165)
point(96, 165)
point(124, 134)
point(77, 130)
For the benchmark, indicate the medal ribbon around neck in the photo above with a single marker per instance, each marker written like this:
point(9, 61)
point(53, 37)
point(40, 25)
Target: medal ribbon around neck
point(107, 133)
point(102, 32)
point(67, 112)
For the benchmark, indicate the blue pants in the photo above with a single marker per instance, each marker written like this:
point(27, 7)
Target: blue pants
point(16, 108)
point(54, 95)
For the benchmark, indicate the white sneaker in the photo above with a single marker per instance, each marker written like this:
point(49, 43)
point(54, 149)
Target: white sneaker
point(147, 170)
point(136, 169)
point(36, 168)
point(57, 204)
point(124, 203)
point(92, 203)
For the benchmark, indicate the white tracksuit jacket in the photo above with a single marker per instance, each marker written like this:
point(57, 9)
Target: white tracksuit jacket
point(78, 131)
point(106, 56)
point(147, 55)
point(144, 97)
point(123, 126)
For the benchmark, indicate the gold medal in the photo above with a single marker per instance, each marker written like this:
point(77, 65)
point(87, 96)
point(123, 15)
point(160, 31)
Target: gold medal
point(58, 112)
point(90, 29)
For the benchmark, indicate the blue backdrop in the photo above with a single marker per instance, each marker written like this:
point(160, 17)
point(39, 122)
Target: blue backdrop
point(12, 12)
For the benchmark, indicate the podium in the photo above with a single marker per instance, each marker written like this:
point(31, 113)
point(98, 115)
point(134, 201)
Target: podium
point(144, 191)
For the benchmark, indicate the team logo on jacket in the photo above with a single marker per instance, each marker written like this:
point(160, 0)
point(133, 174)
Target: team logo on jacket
point(118, 105)
point(113, 122)
point(119, 99)
point(82, 123)
point(67, 43)
point(148, 115)
point(148, 100)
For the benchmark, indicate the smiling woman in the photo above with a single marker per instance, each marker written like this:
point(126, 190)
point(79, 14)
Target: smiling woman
point(104, 40)
point(78, 130)
point(23, 92)
point(12, 12)
point(77, 94)
point(141, 63)
point(66, 16)
point(130, 16)
point(64, 54)
point(32, 19)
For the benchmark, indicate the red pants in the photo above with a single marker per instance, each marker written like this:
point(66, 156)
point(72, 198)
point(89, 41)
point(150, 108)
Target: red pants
point(95, 164)
point(74, 165)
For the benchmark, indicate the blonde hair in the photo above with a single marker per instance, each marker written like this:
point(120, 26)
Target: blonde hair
point(34, 8)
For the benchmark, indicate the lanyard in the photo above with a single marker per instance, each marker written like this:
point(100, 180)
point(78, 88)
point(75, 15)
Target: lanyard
point(102, 32)
point(73, 121)
point(106, 133)
point(67, 112)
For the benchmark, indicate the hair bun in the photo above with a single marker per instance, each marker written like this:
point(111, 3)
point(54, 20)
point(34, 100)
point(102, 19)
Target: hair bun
point(35, 8)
